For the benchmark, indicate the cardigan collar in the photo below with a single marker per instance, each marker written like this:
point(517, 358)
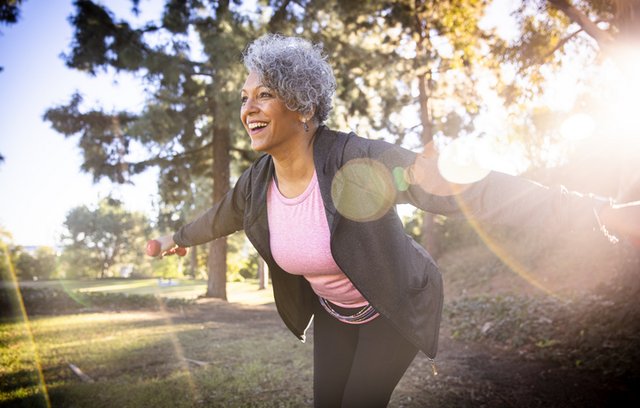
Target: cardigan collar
point(327, 147)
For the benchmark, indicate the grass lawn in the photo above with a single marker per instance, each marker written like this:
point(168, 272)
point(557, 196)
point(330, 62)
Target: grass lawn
point(237, 292)
point(210, 354)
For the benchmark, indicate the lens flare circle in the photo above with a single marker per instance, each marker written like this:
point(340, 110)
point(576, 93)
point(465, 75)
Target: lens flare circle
point(363, 190)
point(460, 162)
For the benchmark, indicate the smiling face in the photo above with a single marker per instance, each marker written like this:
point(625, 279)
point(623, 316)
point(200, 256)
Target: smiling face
point(269, 123)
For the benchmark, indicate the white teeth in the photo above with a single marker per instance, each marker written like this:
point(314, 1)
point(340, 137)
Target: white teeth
point(255, 125)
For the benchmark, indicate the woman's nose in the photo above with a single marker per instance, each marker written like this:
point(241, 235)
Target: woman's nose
point(249, 106)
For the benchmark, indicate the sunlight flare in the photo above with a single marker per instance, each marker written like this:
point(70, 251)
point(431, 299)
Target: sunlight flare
point(503, 254)
point(13, 282)
point(179, 350)
point(464, 161)
point(577, 127)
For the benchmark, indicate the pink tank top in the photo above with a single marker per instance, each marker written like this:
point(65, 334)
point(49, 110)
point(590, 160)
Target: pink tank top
point(299, 235)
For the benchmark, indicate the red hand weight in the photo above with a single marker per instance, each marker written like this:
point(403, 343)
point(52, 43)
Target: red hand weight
point(153, 247)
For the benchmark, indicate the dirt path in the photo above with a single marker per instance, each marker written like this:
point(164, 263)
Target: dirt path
point(469, 374)
point(474, 375)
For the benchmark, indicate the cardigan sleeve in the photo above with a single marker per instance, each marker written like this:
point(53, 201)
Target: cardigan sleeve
point(223, 218)
point(504, 199)
point(498, 198)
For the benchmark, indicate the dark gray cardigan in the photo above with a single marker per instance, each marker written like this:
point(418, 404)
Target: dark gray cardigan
point(395, 274)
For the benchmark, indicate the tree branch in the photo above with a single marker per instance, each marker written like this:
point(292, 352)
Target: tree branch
point(561, 44)
point(278, 16)
point(603, 38)
point(170, 159)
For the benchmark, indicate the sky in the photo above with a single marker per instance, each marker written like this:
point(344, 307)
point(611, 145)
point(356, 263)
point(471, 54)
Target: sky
point(40, 179)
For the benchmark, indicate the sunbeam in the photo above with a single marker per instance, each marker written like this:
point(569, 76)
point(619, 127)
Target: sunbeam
point(33, 348)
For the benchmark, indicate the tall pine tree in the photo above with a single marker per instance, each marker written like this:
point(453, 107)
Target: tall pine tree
point(190, 61)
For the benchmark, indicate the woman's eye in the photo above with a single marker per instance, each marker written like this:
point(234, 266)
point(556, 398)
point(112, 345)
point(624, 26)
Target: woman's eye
point(265, 95)
point(243, 100)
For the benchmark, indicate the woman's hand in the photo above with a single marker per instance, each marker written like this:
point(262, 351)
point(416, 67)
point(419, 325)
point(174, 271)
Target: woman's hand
point(623, 220)
point(164, 245)
point(166, 242)
point(426, 173)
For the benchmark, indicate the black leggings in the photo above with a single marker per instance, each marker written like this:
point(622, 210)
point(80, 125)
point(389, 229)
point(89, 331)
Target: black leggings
point(356, 365)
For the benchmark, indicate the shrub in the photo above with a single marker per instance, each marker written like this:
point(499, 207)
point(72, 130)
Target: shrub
point(596, 331)
point(57, 301)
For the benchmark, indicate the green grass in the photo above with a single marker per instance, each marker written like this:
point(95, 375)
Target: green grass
point(237, 292)
point(139, 358)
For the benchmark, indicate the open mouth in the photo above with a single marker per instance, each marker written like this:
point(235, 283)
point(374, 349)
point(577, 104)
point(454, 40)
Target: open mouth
point(255, 127)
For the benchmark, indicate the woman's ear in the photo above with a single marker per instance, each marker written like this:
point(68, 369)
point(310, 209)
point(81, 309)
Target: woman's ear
point(305, 120)
point(307, 117)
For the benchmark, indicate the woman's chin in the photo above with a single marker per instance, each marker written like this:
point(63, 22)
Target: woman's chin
point(257, 146)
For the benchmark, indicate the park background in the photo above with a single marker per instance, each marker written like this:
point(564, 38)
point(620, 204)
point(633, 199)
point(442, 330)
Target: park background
point(117, 123)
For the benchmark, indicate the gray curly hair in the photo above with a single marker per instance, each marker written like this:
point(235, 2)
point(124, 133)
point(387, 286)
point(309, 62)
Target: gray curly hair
point(296, 70)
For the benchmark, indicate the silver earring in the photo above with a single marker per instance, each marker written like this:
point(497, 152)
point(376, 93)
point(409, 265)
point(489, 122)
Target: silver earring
point(306, 126)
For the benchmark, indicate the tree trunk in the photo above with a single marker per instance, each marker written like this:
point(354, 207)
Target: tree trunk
point(217, 261)
point(219, 110)
point(263, 274)
point(424, 76)
point(427, 231)
point(193, 262)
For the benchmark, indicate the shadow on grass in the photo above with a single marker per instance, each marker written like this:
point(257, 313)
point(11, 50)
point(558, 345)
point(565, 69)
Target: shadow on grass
point(214, 355)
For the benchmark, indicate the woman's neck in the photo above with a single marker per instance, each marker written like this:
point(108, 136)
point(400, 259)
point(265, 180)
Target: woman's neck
point(294, 167)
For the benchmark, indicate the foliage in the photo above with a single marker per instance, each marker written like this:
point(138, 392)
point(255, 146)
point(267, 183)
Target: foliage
point(405, 69)
point(553, 29)
point(51, 300)
point(399, 60)
point(509, 320)
point(595, 331)
point(189, 61)
point(41, 265)
point(9, 14)
point(168, 267)
point(10, 11)
point(455, 233)
point(243, 259)
point(580, 38)
point(97, 239)
point(6, 254)
point(544, 39)
point(408, 71)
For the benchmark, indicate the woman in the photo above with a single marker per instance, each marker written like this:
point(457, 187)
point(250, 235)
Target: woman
point(318, 207)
